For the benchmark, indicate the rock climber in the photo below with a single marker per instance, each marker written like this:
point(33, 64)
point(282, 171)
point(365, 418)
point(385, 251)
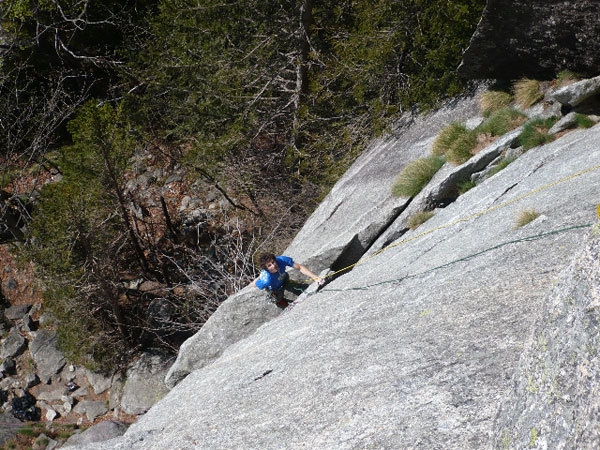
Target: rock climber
point(274, 278)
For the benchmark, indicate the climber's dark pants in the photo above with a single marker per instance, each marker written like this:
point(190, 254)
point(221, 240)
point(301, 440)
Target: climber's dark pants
point(278, 296)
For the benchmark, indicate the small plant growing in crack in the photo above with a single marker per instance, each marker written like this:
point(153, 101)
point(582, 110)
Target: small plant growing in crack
point(415, 176)
point(526, 216)
point(419, 219)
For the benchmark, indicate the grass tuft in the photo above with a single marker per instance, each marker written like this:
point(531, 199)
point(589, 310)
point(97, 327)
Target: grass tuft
point(415, 176)
point(535, 132)
point(491, 101)
point(527, 92)
point(465, 186)
point(501, 122)
point(461, 150)
point(27, 431)
point(566, 77)
point(455, 142)
point(526, 216)
point(446, 137)
point(419, 219)
point(500, 166)
point(583, 121)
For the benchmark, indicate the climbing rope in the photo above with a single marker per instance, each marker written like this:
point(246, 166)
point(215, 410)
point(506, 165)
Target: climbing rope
point(455, 261)
point(468, 218)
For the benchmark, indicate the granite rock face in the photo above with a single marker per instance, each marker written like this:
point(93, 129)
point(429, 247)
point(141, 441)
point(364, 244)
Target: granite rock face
point(554, 402)
point(353, 216)
point(538, 39)
point(236, 318)
point(419, 345)
point(360, 206)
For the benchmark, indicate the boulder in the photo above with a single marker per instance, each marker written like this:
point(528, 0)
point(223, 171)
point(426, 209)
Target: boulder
point(534, 38)
point(28, 324)
point(13, 345)
point(100, 382)
point(44, 352)
point(566, 122)
point(46, 442)
point(239, 316)
point(145, 382)
point(9, 426)
point(578, 92)
point(48, 412)
point(16, 312)
point(8, 366)
point(91, 408)
point(24, 407)
point(52, 395)
point(116, 392)
point(102, 431)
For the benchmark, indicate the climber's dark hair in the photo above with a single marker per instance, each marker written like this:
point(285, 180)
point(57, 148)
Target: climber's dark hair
point(265, 258)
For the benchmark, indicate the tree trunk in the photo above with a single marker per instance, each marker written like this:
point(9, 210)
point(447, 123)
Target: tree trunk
point(123, 207)
point(306, 19)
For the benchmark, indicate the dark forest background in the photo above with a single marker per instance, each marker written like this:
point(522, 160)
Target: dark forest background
point(262, 104)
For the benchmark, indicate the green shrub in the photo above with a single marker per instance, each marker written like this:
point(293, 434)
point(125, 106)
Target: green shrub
point(583, 121)
point(82, 240)
point(526, 216)
point(446, 138)
point(416, 175)
point(527, 92)
point(535, 132)
point(566, 77)
point(419, 219)
point(465, 186)
point(501, 122)
point(492, 101)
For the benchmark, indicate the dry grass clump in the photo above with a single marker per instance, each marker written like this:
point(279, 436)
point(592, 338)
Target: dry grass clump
point(526, 216)
point(461, 150)
point(419, 219)
point(447, 137)
point(491, 101)
point(415, 176)
point(527, 92)
point(455, 143)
